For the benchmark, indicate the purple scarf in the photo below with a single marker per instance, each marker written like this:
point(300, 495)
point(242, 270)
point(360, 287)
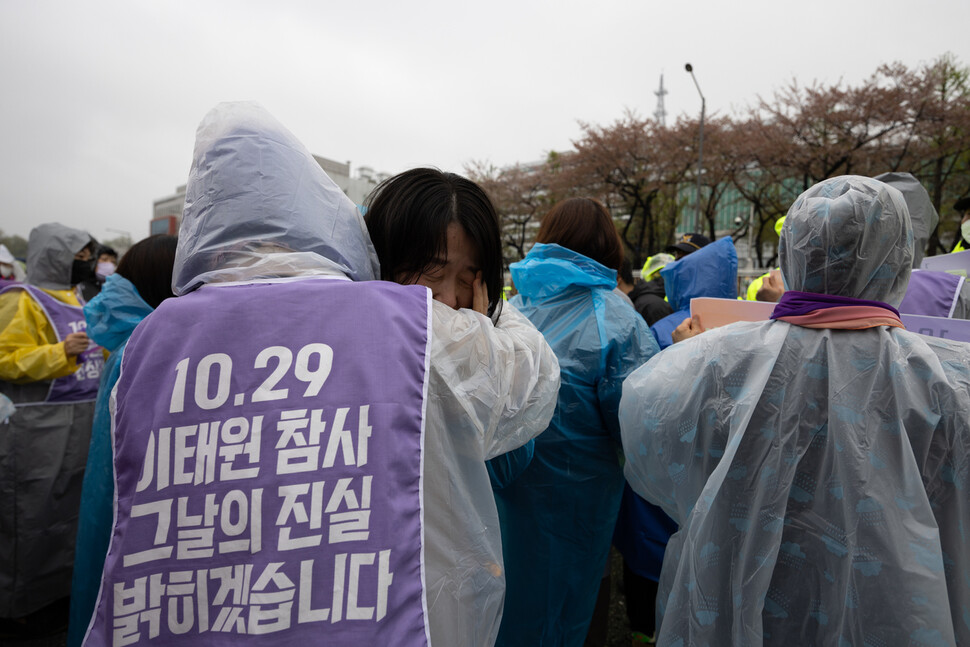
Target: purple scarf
point(794, 304)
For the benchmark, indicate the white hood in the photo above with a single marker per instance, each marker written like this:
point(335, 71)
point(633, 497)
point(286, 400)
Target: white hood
point(257, 205)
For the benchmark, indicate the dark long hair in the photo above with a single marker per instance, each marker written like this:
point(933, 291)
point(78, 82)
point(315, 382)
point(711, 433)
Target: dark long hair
point(408, 216)
point(148, 265)
point(585, 226)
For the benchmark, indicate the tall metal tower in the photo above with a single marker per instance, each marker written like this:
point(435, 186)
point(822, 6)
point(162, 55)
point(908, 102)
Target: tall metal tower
point(661, 113)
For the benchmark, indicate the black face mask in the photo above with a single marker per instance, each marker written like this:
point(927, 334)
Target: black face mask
point(82, 271)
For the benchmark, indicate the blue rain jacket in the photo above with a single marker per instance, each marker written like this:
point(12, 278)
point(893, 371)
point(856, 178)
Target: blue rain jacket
point(111, 317)
point(641, 534)
point(557, 516)
point(711, 271)
point(642, 529)
point(819, 477)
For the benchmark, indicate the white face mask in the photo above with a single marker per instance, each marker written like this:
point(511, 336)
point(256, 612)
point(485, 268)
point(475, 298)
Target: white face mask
point(105, 268)
point(965, 230)
point(6, 270)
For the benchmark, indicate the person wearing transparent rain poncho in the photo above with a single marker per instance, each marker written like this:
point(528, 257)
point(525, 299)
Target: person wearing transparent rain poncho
point(818, 469)
point(280, 431)
point(933, 293)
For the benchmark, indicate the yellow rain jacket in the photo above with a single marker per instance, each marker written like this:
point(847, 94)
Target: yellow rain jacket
point(755, 285)
point(29, 350)
point(752, 293)
point(43, 445)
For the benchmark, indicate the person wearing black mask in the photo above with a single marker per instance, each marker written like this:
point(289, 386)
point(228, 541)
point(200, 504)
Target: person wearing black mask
point(83, 275)
point(50, 371)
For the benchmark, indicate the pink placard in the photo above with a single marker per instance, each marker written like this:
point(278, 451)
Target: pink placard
point(715, 313)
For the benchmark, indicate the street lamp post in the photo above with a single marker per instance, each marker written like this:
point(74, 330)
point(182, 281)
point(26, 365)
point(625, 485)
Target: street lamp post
point(700, 147)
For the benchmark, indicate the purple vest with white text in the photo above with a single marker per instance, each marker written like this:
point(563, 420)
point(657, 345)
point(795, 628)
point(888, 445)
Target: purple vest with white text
point(268, 451)
point(80, 386)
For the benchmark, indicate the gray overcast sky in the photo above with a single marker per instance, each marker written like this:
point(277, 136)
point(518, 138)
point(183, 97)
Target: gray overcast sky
point(101, 98)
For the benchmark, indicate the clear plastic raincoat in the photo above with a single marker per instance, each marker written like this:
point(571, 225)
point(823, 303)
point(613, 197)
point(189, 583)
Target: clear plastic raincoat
point(43, 446)
point(111, 317)
point(259, 208)
point(557, 516)
point(819, 477)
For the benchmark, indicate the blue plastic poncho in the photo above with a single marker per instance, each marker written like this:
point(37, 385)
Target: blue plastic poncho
point(711, 271)
point(557, 517)
point(111, 317)
point(819, 476)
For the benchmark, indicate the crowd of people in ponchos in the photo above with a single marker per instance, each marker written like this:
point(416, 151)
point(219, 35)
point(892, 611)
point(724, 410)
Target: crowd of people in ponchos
point(800, 480)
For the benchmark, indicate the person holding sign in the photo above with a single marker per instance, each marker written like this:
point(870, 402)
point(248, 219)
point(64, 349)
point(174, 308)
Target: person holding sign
point(493, 386)
point(49, 370)
point(292, 464)
point(816, 463)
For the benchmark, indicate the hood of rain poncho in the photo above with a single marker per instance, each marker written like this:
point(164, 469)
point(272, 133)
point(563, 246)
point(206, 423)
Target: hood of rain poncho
point(848, 236)
point(711, 271)
point(257, 205)
point(549, 268)
point(50, 254)
point(922, 213)
point(654, 264)
point(113, 314)
point(5, 256)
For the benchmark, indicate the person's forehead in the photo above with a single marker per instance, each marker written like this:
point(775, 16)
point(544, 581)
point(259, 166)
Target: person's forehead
point(462, 250)
point(460, 264)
